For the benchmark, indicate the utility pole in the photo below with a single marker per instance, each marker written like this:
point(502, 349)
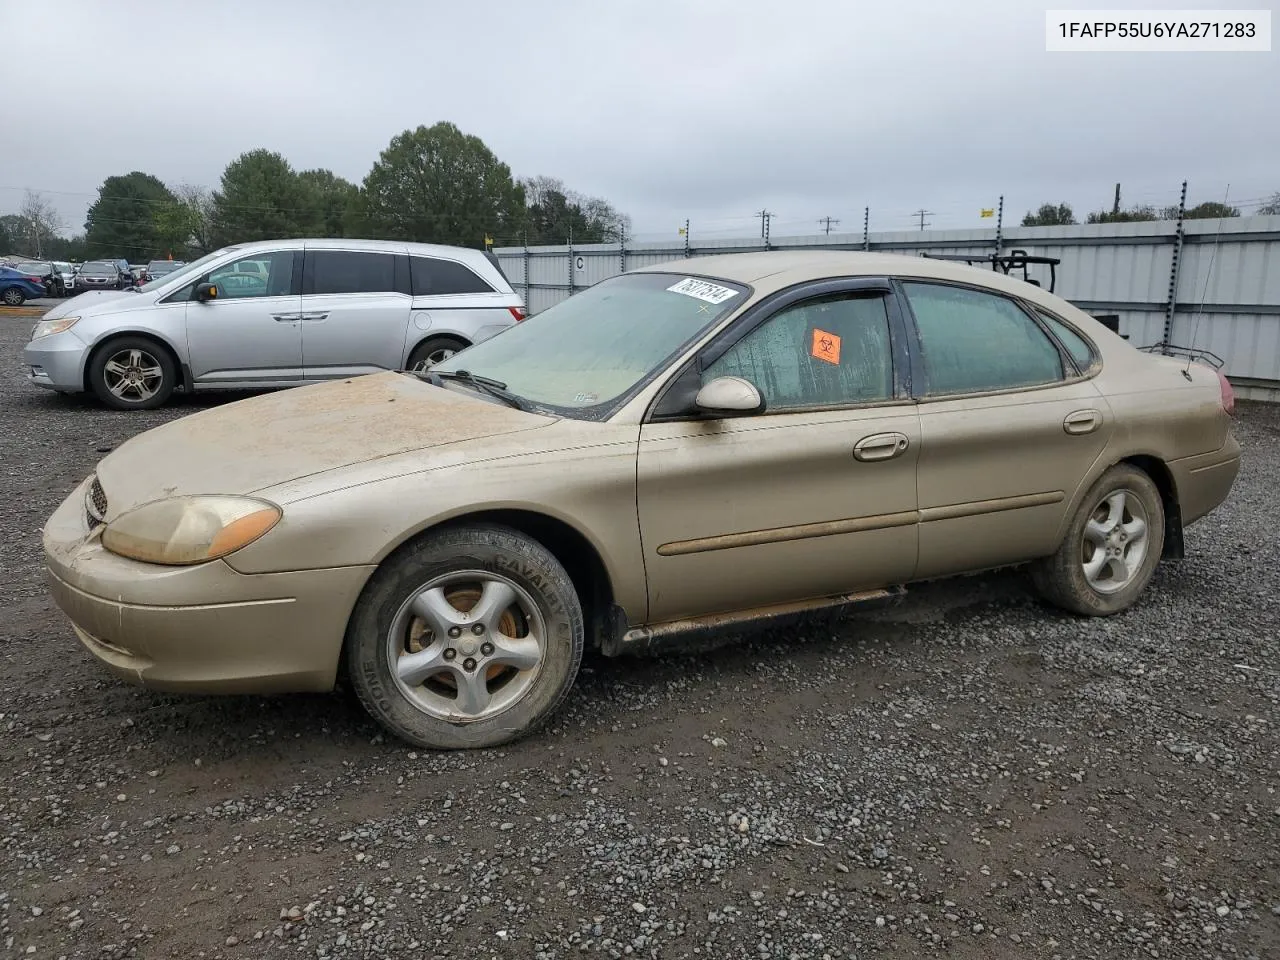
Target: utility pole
point(765, 216)
point(922, 213)
point(828, 221)
point(1115, 207)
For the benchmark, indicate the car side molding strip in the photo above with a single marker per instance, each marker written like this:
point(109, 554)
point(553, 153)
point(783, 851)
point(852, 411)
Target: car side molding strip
point(883, 521)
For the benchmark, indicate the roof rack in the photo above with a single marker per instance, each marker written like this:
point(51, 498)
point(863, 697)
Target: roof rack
point(1006, 262)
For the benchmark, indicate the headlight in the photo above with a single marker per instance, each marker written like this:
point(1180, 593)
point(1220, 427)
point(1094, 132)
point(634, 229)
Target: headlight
point(46, 328)
point(187, 530)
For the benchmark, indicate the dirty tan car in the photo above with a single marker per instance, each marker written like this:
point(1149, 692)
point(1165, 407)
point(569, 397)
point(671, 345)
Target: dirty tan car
point(699, 444)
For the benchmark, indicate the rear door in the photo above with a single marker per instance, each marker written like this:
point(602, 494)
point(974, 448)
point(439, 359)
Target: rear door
point(250, 334)
point(355, 311)
point(1009, 427)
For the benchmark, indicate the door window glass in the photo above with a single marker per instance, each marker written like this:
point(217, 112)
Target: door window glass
point(349, 271)
point(828, 351)
point(973, 342)
point(257, 275)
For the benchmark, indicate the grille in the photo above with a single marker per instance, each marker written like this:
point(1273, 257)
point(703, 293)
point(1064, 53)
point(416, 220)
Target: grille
point(95, 504)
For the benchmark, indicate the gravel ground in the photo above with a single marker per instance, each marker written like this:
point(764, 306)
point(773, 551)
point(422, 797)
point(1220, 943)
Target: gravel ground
point(967, 775)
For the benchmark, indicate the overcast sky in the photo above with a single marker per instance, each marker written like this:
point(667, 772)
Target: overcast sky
point(705, 109)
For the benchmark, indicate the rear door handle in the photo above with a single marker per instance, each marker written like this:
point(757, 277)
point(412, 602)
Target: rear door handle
point(1082, 421)
point(315, 316)
point(880, 446)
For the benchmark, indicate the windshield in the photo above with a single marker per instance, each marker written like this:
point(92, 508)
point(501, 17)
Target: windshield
point(191, 270)
point(98, 267)
point(157, 267)
point(34, 268)
point(586, 353)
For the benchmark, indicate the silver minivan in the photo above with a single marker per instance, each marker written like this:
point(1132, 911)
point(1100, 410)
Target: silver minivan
point(271, 314)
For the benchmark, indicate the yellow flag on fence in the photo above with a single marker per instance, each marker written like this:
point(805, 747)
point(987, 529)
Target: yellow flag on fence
point(683, 231)
point(488, 241)
point(988, 211)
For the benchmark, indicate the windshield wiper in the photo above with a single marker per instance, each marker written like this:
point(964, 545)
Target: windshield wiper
point(495, 388)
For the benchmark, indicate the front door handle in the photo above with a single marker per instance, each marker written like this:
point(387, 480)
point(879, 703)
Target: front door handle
point(1082, 421)
point(286, 317)
point(880, 446)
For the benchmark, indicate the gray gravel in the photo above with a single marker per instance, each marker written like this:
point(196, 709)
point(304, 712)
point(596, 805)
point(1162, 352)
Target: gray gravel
point(967, 775)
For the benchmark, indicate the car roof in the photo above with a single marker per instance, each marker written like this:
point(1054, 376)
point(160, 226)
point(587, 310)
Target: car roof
point(770, 270)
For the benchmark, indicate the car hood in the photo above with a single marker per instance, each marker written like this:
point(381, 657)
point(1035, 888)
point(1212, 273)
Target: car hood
point(253, 444)
point(96, 303)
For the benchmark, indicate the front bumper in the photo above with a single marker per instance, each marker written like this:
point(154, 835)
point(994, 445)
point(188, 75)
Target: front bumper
point(56, 362)
point(198, 629)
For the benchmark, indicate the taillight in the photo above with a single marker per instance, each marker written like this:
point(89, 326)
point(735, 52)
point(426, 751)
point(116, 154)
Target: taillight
point(518, 313)
point(1228, 394)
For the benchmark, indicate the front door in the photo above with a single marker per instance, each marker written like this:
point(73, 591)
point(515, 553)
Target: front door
point(1009, 428)
point(355, 312)
point(813, 497)
point(250, 334)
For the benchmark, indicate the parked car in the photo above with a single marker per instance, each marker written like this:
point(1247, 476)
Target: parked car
point(274, 314)
point(67, 276)
point(43, 273)
point(161, 268)
point(686, 447)
point(16, 287)
point(101, 275)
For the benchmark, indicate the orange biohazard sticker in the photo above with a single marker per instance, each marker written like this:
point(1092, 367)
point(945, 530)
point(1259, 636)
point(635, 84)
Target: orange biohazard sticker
point(826, 346)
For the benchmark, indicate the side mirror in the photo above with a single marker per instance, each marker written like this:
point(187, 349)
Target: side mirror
point(729, 395)
point(206, 291)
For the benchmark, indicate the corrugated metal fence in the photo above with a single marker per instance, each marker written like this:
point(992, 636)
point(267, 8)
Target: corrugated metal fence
point(1214, 285)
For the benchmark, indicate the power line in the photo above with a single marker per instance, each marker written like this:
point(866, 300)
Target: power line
point(922, 213)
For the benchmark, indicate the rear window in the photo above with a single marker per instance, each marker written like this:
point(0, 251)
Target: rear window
point(436, 278)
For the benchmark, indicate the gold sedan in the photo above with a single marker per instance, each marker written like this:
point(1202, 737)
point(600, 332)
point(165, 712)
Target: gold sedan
point(691, 446)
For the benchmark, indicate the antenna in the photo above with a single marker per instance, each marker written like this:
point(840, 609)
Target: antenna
point(1204, 293)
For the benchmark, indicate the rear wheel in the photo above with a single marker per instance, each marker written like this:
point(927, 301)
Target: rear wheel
point(471, 637)
point(430, 352)
point(132, 373)
point(1111, 549)
point(13, 297)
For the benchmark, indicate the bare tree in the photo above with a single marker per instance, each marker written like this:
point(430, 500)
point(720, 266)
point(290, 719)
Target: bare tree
point(199, 203)
point(1271, 207)
point(40, 219)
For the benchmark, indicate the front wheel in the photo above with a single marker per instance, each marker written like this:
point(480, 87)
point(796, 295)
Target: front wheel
point(1111, 549)
point(471, 637)
point(13, 297)
point(132, 373)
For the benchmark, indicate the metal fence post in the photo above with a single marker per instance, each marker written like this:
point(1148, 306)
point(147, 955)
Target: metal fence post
point(527, 283)
point(622, 251)
point(571, 260)
point(1171, 306)
point(866, 226)
point(686, 236)
point(1000, 225)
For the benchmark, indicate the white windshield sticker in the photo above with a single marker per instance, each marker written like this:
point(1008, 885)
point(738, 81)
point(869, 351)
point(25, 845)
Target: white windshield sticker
point(710, 292)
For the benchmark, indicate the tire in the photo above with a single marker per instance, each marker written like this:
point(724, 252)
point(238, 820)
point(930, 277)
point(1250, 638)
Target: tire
point(507, 695)
point(13, 297)
point(434, 350)
point(139, 356)
point(1063, 578)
